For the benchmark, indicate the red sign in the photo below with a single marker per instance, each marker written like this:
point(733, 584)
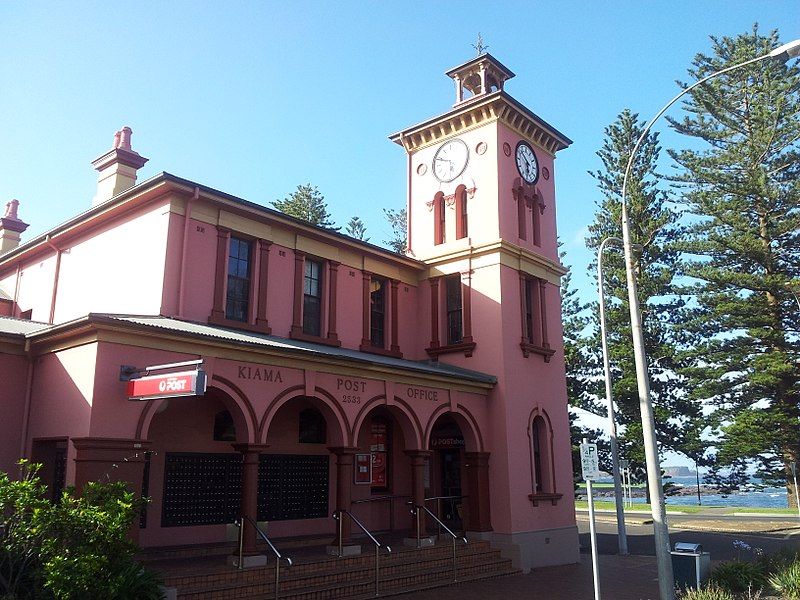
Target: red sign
point(169, 385)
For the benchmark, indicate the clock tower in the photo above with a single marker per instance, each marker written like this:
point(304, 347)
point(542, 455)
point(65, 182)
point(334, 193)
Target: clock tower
point(482, 216)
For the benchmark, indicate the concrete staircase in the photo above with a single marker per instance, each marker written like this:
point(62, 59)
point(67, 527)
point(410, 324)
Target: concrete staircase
point(318, 577)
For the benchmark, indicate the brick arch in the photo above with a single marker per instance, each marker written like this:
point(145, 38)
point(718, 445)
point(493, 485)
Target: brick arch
point(473, 441)
point(331, 410)
point(402, 413)
point(239, 407)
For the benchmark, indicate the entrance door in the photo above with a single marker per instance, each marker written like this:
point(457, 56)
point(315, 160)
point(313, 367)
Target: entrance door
point(450, 461)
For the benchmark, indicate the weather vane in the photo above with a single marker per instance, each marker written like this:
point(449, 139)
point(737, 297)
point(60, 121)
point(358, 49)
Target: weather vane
point(479, 46)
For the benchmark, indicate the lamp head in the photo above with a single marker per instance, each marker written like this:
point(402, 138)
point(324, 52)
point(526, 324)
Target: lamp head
point(787, 51)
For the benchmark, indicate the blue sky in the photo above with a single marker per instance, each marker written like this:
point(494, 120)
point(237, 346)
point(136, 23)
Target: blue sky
point(254, 98)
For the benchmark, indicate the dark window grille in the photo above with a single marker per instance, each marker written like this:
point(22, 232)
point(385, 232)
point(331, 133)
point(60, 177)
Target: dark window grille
point(455, 327)
point(145, 490)
point(377, 312)
point(238, 298)
point(312, 298)
point(292, 486)
point(201, 489)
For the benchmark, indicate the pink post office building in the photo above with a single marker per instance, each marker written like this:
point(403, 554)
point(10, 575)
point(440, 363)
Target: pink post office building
point(226, 359)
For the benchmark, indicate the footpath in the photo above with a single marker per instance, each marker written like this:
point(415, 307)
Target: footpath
point(632, 577)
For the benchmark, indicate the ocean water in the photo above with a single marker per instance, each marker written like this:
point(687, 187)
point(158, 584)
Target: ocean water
point(769, 497)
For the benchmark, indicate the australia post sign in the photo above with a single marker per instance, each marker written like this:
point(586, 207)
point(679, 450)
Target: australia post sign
point(168, 385)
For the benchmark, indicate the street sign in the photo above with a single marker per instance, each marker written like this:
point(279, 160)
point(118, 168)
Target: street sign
point(590, 465)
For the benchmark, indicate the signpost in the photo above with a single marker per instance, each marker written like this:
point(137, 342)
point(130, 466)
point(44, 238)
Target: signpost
point(796, 491)
point(590, 467)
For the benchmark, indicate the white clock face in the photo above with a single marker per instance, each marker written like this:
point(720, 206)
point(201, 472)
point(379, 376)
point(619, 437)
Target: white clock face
point(450, 160)
point(527, 165)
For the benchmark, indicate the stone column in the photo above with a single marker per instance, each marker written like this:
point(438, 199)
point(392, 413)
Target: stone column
point(249, 505)
point(111, 459)
point(476, 466)
point(345, 457)
point(418, 458)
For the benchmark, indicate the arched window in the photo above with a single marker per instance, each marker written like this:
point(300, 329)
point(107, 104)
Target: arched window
point(224, 428)
point(313, 428)
point(543, 481)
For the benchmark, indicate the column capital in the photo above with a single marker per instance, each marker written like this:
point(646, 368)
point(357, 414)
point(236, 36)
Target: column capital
point(418, 453)
point(342, 450)
point(247, 448)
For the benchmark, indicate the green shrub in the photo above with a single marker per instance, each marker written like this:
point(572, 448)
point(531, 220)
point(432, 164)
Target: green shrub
point(786, 581)
point(738, 576)
point(77, 547)
point(709, 592)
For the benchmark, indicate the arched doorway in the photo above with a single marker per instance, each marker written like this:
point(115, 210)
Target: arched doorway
point(459, 466)
point(192, 474)
point(384, 479)
point(448, 446)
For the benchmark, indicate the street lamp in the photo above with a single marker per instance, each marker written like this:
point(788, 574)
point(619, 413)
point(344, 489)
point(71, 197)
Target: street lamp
point(622, 538)
point(666, 583)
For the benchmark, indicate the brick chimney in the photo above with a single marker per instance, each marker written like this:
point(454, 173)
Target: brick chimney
point(10, 227)
point(117, 167)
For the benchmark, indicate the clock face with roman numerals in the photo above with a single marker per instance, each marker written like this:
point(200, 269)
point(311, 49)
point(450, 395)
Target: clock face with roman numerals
point(527, 165)
point(450, 160)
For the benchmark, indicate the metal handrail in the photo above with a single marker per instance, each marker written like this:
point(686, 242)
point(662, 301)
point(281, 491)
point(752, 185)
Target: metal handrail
point(439, 506)
point(416, 512)
point(263, 536)
point(338, 516)
point(390, 498)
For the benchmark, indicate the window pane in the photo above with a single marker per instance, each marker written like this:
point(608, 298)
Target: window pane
point(377, 301)
point(237, 301)
point(453, 302)
point(311, 316)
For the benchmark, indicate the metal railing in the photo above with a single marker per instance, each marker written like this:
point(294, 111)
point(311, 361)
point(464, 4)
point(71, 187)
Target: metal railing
point(278, 556)
point(389, 499)
point(416, 512)
point(338, 516)
point(439, 508)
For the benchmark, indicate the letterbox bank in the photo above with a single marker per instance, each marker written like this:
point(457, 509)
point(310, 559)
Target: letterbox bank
point(225, 359)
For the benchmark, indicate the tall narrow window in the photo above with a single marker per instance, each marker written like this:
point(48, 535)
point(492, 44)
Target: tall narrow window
point(522, 216)
point(439, 224)
point(377, 312)
point(534, 317)
point(312, 298)
point(455, 326)
point(541, 476)
point(462, 224)
point(238, 298)
point(537, 219)
point(529, 324)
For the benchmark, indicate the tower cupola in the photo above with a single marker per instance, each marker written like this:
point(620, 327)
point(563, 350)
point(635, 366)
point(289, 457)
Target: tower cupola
point(477, 77)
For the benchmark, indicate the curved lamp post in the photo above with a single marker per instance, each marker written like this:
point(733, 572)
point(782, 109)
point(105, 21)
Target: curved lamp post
point(622, 538)
point(661, 533)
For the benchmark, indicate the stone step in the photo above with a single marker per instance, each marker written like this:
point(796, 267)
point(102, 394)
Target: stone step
point(360, 587)
point(366, 561)
point(350, 567)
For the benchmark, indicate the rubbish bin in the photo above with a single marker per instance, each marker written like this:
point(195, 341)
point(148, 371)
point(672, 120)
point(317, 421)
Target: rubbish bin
point(690, 565)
